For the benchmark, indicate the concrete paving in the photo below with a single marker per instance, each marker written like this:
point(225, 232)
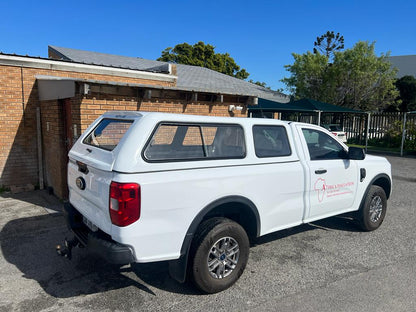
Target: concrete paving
point(325, 266)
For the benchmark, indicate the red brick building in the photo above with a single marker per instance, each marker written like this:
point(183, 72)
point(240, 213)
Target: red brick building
point(45, 104)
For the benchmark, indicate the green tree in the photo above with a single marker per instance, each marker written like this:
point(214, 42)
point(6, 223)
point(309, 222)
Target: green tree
point(356, 78)
point(308, 75)
point(407, 88)
point(201, 54)
point(365, 81)
point(328, 43)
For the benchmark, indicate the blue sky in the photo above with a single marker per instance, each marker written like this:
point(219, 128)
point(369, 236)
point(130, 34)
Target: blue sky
point(259, 35)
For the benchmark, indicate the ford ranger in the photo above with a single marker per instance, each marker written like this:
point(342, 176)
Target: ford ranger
point(195, 190)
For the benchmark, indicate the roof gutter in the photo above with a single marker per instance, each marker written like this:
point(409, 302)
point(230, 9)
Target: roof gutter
point(22, 61)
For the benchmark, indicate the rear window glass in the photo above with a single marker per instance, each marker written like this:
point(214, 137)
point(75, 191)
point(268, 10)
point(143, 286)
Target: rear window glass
point(335, 128)
point(108, 133)
point(271, 141)
point(175, 142)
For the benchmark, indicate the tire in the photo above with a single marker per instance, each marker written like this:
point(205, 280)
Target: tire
point(224, 244)
point(373, 210)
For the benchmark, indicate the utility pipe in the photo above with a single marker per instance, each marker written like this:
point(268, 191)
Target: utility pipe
point(403, 134)
point(367, 131)
point(40, 151)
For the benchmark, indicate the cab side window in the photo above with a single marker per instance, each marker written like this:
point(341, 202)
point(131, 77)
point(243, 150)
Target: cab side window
point(271, 141)
point(322, 146)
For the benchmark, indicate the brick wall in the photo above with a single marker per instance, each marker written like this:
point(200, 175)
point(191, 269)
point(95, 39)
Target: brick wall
point(53, 145)
point(92, 107)
point(19, 100)
point(18, 160)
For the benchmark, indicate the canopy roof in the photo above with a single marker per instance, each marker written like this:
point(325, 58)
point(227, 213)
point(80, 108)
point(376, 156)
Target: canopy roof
point(303, 105)
point(322, 106)
point(272, 106)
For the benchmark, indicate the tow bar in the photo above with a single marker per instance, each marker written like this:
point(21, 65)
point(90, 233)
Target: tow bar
point(66, 250)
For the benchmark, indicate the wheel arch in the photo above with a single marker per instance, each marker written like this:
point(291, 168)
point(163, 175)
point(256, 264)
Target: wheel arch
point(382, 180)
point(237, 208)
point(366, 216)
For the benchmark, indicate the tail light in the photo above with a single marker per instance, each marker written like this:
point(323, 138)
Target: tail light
point(124, 203)
point(334, 133)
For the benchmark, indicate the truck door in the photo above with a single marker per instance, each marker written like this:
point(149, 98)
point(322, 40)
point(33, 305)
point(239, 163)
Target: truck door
point(332, 177)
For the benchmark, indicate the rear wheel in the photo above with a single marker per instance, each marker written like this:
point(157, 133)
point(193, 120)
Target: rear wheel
point(220, 253)
point(372, 212)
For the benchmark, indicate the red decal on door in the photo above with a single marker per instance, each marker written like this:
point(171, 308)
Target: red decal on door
point(320, 187)
point(331, 190)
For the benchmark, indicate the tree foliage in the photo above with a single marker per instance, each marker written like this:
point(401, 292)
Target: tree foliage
point(201, 54)
point(407, 88)
point(308, 75)
point(328, 43)
point(356, 78)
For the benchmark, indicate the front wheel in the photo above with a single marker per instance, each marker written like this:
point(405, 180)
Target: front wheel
point(372, 212)
point(220, 254)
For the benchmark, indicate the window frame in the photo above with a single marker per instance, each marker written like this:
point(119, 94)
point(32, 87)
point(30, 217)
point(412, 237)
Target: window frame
point(200, 125)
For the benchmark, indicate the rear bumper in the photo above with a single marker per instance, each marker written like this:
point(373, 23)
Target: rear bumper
point(98, 242)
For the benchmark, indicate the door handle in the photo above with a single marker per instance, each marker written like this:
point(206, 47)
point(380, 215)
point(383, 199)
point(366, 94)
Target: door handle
point(320, 171)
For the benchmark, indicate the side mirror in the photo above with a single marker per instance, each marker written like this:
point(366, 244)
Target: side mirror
point(356, 153)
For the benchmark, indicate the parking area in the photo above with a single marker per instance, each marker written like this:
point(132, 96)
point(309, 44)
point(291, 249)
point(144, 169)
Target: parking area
point(325, 266)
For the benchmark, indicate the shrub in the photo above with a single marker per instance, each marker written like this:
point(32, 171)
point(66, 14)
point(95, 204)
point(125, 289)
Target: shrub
point(393, 136)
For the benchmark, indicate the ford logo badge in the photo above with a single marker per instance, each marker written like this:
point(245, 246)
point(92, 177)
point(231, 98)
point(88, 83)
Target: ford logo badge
point(80, 182)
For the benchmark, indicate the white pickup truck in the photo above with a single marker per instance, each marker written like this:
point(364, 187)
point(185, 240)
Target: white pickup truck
point(194, 190)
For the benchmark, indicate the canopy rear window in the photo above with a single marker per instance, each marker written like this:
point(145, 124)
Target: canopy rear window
point(108, 133)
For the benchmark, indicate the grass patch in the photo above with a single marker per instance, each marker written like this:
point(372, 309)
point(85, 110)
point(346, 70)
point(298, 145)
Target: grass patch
point(378, 148)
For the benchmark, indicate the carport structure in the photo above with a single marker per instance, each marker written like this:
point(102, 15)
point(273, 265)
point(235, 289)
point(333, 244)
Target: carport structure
point(305, 107)
point(322, 107)
point(357, 124)
point(354, 122)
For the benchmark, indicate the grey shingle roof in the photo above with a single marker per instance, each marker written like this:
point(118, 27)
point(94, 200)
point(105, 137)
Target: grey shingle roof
point(190, 78)
point(406, 64)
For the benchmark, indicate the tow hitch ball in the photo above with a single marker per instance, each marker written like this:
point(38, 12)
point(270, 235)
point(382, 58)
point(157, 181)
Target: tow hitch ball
point(66, 250)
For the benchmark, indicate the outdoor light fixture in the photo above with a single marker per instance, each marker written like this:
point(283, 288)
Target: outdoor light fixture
point(233, 108)
point(147, 94)
point(87, 89)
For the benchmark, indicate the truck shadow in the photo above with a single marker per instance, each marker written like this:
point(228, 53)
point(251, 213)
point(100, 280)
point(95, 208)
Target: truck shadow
point(29, 244)
point(337, 223)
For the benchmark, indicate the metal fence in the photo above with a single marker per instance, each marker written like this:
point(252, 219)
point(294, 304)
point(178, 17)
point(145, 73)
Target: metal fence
point(389, 126)
point(376, 129)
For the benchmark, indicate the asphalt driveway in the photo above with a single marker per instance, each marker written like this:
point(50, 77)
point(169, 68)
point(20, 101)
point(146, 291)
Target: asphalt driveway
point(325, 266)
